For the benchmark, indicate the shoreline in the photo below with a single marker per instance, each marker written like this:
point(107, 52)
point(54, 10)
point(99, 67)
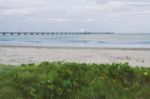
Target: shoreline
point(72, 47)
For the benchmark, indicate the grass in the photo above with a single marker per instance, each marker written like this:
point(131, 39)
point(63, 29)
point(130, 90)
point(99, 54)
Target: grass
point(63, 80)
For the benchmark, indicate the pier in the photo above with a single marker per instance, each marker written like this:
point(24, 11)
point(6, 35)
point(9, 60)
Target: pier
point(51, 33)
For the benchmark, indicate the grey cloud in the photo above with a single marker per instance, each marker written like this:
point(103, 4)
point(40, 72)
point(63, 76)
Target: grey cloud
point(75, 11)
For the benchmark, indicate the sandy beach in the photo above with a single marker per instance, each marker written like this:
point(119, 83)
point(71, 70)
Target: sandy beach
point(20, 55)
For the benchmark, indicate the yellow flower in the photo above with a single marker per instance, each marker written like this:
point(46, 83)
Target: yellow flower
point(145, 73)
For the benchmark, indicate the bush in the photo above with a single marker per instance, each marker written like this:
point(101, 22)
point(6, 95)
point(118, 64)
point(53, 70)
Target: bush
point(63, 80)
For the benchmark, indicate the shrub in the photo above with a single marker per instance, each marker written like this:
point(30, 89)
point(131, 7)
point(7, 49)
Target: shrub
point(64, 80)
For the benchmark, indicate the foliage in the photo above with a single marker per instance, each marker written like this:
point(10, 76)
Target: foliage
point(64, 80)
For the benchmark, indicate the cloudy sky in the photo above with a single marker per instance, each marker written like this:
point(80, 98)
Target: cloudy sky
point(75, 15)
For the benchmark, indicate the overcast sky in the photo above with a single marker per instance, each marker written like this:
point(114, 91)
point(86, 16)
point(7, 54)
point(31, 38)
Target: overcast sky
point(75, 15)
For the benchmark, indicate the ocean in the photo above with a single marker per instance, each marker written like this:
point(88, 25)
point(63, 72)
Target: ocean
point(115, 40)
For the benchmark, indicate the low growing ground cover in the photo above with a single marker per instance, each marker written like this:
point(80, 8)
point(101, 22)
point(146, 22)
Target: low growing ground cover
point(64, 80)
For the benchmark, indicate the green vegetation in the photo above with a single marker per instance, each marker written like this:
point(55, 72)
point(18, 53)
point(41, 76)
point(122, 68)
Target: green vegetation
point(63, 80)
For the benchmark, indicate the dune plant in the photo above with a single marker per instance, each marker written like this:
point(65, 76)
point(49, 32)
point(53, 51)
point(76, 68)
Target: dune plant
point(65, 80)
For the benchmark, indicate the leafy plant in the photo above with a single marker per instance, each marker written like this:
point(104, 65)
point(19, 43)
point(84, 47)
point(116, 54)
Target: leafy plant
point(64, 80)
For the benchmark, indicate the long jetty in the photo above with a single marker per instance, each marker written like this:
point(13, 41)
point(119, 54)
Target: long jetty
point(52, 33)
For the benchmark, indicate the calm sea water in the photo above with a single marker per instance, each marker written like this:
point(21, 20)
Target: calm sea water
point(88, 40)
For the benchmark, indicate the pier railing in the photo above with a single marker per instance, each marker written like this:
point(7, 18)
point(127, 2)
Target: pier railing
point(51, 33)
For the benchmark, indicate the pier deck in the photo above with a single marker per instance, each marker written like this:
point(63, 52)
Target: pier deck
point(51, 33)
